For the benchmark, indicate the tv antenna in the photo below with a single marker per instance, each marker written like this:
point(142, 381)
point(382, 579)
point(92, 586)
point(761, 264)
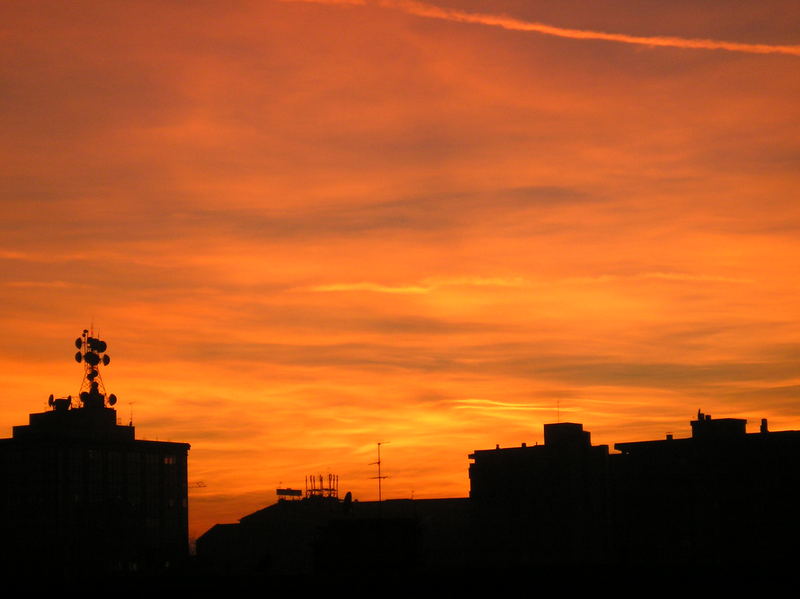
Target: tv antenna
point(379, 477)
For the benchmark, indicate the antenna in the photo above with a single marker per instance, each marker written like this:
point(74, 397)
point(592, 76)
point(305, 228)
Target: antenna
point(379, 477)
point(316, 486)
point(92, 352)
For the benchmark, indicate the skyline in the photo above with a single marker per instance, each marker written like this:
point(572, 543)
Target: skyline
point(307, 227)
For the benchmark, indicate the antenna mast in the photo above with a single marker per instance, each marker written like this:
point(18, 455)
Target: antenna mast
point(92, 352)
point(379, 477)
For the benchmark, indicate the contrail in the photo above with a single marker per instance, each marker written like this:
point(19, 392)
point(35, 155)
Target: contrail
point(430, 11)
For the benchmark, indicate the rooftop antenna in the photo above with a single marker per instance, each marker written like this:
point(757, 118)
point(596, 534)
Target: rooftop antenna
point(92, 352)
point(379, 477)
point(316, 485)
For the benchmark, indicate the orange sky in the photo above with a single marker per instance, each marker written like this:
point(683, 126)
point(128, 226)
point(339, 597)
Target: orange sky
point(305, 227)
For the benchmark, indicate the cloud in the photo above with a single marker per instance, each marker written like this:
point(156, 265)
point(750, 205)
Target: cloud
point(488, 404)
point(427, 286)
point(421, 9)
point(432, 284)
point(682, 276)
point(376, 287)
point(45, 284)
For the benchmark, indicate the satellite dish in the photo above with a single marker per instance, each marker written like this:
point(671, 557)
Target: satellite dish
point(112, 399)
point(92, 374)
point(106, 360)
point(100, 346)
point(50, 400)
point(78, 357)
point(84, 396)
point(85, 331)
point(91, 358)
point(78, 342)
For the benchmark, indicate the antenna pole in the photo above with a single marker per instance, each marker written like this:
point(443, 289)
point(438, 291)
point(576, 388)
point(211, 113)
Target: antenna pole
point(380, 477)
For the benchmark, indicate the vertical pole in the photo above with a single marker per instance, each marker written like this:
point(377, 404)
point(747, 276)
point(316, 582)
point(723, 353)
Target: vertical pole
point(380, 476)
point(380, 497)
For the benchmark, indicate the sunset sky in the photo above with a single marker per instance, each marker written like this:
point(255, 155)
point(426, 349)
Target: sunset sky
point(306, 227)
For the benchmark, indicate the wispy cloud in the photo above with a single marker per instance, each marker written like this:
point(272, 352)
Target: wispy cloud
point(48, 257)
point(484, 404)
point(682, 276)
point(430, 11)
point(46, 284)
point(375, 287)
point(479, 281)
point(426, 286)
point(433, 284)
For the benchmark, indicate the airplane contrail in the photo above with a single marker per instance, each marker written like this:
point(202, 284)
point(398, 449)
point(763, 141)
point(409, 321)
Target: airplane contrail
point(430, 11)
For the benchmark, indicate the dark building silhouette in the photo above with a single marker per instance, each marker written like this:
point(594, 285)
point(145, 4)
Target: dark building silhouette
point(80, 494)
point(720, 497)
point(318, 535)
point(543, 503)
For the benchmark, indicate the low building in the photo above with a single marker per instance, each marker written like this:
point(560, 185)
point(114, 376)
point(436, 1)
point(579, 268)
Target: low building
point(317, 535)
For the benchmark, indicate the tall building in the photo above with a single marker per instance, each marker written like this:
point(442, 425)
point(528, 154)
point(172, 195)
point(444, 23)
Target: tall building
point(80, 494)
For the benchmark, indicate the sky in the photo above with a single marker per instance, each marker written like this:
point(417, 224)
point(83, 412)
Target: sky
point(304, 228)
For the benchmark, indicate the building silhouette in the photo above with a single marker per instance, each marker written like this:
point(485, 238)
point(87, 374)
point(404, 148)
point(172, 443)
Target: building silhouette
point(720, 497)
point(321, 534)
point(544, 503)
point(81, 495)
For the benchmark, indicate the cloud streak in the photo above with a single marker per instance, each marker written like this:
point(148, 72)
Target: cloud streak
point(430, 285)
point(375, 287)
point(429, 11)
point(427, 286)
